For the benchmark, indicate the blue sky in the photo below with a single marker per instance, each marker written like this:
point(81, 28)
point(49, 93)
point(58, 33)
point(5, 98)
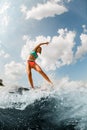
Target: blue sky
point(24, 24)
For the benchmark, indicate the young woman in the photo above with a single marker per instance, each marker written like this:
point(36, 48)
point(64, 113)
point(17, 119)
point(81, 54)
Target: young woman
point(31, 64)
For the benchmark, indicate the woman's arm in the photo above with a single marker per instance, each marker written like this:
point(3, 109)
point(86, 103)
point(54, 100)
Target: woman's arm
point(40, 45)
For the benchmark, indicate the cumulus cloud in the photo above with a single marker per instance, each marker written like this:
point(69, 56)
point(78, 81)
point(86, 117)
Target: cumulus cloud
point(14, 70)
point(48, 9)
point(58, 53)
point(82, 49)
point(84, 28)
point(4, 20)
point(4, 7)
point(3, 54)
point(70, 85)
point(60, 1)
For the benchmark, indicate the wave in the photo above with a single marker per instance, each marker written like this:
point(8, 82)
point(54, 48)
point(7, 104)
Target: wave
point(63, 108)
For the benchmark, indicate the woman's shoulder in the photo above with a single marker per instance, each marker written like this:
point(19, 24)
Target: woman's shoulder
point(33, 51)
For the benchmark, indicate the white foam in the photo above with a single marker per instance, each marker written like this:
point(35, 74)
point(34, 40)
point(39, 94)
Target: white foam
point(17, 100)
point(71, 93)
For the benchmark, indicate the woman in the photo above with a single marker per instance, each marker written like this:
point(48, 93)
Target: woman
point(31, 64)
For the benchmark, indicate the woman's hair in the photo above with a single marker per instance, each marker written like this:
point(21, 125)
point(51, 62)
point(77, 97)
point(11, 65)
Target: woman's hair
point(39, 48)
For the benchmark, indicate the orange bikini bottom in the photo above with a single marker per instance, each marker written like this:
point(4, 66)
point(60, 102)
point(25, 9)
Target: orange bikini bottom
point(31, 63)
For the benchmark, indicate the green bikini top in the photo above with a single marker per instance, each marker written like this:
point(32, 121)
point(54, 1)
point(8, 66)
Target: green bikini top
point(33, 53)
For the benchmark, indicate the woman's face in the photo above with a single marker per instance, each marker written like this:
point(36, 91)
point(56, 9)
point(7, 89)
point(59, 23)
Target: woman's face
point(39, 50)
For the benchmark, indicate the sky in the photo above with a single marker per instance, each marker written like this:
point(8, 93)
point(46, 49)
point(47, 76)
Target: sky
point(26, 23)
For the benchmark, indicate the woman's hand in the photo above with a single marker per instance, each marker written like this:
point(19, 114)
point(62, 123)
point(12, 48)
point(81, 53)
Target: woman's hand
point(47, 43)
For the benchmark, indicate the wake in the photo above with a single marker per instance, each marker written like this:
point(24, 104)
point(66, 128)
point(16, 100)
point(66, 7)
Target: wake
point(14, 98)
point(66, 103)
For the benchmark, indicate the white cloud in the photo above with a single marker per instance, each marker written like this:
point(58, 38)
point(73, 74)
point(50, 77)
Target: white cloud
point(60, 1)
point(3, 54)
point(82, 49)
point(4, 18)
point(4, 7)
point(14, 71)
point(84, 28)
point(60, 50)
point(23, 8)
point(58, 53)
point(70, 85)
point(69, 0)
point(48, 9)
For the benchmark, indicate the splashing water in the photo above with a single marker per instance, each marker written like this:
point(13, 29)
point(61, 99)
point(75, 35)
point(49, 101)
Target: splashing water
point(64, 107)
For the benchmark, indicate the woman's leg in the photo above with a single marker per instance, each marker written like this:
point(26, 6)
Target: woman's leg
point(29, 73)
point(37, 68)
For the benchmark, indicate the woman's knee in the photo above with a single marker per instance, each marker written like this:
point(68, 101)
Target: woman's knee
point(40, 70)
point(29, 73)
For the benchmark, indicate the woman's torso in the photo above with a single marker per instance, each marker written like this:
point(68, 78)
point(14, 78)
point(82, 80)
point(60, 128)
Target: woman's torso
point(33, 55)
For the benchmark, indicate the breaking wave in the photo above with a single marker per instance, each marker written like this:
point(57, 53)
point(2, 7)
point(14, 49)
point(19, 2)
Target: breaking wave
point(62, 108)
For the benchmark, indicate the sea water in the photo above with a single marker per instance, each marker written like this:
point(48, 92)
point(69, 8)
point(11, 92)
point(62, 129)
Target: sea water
point(62, 108)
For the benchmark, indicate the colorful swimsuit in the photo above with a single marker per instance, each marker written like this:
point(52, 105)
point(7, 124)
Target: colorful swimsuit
point(31, 62)
point(33, 53)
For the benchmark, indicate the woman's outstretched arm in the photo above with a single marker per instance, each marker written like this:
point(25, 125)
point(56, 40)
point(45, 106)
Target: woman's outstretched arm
point(40, 45)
